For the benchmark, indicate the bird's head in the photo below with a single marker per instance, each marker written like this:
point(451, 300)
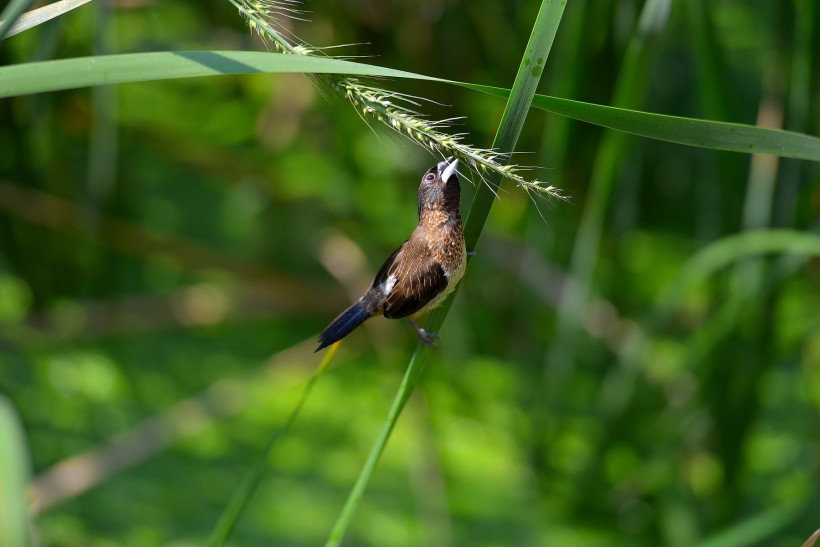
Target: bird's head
point(439, 187)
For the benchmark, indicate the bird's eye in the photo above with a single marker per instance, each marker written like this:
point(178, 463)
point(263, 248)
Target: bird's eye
point(430, 177)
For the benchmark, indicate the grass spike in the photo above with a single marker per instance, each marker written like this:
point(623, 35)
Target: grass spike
point(389, 108)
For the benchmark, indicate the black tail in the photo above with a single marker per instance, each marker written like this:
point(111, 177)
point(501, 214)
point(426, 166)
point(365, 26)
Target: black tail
point(343, 325)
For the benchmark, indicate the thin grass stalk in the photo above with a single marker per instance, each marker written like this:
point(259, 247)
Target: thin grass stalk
point(236, 506)
point(792, 172)
point(104, 145)
point(712, 91)
point(713, 100)
point(408, 382)
point(512, 121)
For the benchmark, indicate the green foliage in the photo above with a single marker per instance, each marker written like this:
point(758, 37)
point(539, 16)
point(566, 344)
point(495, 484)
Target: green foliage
point(14, 476)
point(640, 369)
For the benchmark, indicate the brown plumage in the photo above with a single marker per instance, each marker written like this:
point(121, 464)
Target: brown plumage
point(420, 274)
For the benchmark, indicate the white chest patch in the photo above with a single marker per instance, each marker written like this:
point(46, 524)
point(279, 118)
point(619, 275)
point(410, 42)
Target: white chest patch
point(388, 285)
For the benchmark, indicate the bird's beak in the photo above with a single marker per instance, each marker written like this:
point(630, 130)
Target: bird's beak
point(447, 168)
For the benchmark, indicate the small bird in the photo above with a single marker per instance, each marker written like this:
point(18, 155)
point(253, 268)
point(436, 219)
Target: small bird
point(420, 274)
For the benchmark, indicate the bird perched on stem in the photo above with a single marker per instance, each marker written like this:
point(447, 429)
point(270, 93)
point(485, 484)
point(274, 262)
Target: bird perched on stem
point(420, 274)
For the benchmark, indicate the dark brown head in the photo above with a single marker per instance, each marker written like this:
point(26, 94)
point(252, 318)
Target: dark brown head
point(439, 188)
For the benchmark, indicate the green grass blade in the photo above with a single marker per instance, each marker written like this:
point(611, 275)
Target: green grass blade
point(11, 14)
point(710, 69)
point(701, 268)
point(731, 249)
point(713, 103)
point(81, 72)
point(41, 15)
point(230, 515)
point(515, 112)
point(731, 137)
point(565, 81)
point(704, 266)
point(409, 381)
point(794, 174)
point(14, 478)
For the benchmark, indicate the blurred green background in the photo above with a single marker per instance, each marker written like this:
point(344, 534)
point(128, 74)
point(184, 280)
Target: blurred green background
point(169, 252)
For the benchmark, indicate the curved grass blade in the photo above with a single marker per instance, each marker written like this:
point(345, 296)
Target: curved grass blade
point(731, 249)
point(732, 137)
point(80, 72)
point(702, 266)
point(230, 515)
point(515, 112)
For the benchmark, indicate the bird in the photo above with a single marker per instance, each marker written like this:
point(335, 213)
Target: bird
point(424, 270)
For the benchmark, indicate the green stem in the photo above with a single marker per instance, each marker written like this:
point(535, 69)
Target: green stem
point(230, 515)
point(512, 121)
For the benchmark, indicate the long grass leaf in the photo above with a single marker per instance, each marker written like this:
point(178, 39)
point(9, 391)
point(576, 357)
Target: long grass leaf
point(81, 72)
point(731, 137)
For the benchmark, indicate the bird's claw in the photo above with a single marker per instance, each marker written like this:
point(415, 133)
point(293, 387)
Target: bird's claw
point(428, 338)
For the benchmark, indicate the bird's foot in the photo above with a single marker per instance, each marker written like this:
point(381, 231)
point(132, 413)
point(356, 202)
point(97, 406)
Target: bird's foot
point(428, 338)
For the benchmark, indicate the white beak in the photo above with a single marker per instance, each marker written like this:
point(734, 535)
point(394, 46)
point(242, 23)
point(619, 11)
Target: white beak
point(449, 170)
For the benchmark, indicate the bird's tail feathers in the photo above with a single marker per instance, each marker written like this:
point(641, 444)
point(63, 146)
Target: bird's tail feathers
point(343, 325)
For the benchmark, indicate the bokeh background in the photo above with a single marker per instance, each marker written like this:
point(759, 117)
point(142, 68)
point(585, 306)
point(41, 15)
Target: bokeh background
point(169, 252)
